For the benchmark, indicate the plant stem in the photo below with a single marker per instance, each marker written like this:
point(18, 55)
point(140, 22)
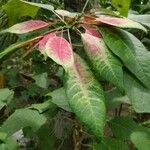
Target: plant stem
point(85, 6)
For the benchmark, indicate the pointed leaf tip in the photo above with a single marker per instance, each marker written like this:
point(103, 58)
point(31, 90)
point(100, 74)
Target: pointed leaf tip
point(43, 41)
point(120, 22)
point(59, 49)
point(27, 26)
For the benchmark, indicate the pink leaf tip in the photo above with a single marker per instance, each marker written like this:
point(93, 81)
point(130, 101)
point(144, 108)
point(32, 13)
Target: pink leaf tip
point(93, 32)
point(59, 49)
point(43, 41)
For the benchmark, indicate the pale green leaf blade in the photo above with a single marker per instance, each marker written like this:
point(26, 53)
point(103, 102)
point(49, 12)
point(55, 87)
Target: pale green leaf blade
point(59, 98)
point(42, 107)
point(23, 118)
point(111, 144)
point(131, 51)
point(21, 9)
point(138, 95)
point(143, 19)
point(141, 140)
point(105, 64)
point(8, 143)
point(44, 6)
point(85, 97)
point(122, 6)
point(65, 13)
point(41, 80)
point(6, 95)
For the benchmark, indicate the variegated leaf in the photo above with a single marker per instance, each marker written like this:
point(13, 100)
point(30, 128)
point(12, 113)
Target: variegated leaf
point(27, 26)
point(43, 41)
point(120, 22)
point(103, 61)
point(85, 96)
point(59, 49)
point(84, 93)
point(131, 51)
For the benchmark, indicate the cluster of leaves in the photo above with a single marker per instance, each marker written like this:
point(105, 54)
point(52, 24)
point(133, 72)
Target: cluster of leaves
point(101, 67)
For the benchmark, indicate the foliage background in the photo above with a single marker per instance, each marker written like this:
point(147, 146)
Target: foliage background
point(31, 89)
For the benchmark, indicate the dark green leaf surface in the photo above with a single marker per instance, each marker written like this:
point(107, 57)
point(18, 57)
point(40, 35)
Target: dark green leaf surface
point(111, 144)
point(126, 129)
point(131, 51)
point(86, 97)
point(114, 98)
point(138, 95)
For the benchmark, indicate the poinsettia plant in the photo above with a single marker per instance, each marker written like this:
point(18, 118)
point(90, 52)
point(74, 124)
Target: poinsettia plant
point(112, 54)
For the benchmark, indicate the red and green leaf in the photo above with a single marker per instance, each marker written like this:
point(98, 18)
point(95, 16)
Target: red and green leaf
point(119, 22)
point(59, 49)
point(104, 63)
point(84, 93)
point(27, 26)
point(85, 96)
point(43, 41)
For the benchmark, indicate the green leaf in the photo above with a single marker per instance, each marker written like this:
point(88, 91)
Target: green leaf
point(23, 118)
point(143, 19)
point(21, 9)
point(44, 6)
point(111, 144)
point(6, 96)
point(122, 6)
point(138, 95)
point(126, 129)
point(46, 137)
point(114, 98)
point(131, 51)
point(59, 98)
point(7, 143)
point(41, 80)
point(105, 64)
point(141, 140)
point(17, 45)
point(42, 107)
point(85, 96)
